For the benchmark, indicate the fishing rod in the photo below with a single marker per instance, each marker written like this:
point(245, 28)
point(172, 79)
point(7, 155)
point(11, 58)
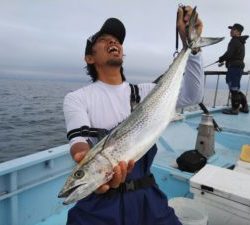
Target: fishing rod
point(220, 64)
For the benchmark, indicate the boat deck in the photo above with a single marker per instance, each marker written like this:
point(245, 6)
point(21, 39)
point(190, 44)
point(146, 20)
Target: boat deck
point(35, 180)
point(181, 136)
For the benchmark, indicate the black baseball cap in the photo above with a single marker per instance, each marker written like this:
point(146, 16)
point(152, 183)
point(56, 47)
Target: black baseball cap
point(237, 26)
point(111, 26)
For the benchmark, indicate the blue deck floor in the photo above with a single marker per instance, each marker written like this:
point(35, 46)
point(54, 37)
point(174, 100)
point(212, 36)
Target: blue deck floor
point(181, 136)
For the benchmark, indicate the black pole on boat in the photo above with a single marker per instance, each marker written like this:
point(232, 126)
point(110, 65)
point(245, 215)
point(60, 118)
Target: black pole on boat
point(205, 110)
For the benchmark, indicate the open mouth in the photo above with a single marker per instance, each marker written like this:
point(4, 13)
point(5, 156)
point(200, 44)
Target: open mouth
point(64, 194)
point(113, 49)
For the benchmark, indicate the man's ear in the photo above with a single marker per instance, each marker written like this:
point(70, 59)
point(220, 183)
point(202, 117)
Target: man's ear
point(89, 59)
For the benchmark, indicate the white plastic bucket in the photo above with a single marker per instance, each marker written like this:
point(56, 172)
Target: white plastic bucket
point(189, 211)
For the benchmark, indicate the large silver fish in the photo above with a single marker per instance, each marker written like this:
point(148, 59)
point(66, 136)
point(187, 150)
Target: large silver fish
point(137, 134)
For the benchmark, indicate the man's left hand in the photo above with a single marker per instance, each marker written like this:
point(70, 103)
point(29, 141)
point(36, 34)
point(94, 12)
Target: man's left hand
point(184, 14)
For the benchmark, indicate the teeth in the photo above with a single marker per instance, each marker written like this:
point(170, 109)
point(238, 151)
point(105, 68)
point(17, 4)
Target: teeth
point(112, 49)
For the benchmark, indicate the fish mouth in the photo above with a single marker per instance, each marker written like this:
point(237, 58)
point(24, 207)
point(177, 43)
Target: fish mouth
point(65, 193)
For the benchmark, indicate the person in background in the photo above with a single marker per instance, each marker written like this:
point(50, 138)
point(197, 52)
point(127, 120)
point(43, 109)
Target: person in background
point(234, 58)
point(132, 197)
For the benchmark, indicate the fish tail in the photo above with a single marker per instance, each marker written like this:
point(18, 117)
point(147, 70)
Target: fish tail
point(194, 41)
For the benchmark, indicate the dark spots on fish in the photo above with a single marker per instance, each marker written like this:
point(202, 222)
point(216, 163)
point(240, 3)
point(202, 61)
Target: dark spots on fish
point(99, 171)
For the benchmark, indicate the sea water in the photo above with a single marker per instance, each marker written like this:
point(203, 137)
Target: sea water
point(31, 115)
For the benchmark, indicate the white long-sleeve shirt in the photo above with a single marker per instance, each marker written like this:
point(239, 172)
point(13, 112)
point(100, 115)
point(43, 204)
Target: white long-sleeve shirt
point(101, 105)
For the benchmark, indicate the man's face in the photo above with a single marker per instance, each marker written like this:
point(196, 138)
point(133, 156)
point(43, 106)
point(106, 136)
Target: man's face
point(107, 51)
point(234, 33)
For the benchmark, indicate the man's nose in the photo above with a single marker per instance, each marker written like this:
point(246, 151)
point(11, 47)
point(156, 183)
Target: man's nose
point(112, 41)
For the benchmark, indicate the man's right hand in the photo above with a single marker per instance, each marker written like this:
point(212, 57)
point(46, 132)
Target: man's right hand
point(79, 150)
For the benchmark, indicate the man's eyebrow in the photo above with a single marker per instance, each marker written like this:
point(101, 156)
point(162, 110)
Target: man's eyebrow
point(107, 35)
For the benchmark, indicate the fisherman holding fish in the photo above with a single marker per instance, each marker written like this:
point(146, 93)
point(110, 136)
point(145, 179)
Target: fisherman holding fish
point(131, 196)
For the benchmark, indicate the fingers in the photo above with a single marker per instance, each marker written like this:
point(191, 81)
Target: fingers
point(184, 14)
point(119, 177)
point(180, 21)
point(79, 156)
point(120, 173)
point(131, 165)
point(188, 12)
point(198, 23)
point(79, 150)
point(102, 189)
point(181, 25)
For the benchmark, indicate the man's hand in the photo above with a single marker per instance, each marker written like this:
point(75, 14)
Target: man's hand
point(120, 174)
point(79, 150)
point(184, 14)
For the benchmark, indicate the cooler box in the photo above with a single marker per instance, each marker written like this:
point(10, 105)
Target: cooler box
point(225, 194)
point(243, 167)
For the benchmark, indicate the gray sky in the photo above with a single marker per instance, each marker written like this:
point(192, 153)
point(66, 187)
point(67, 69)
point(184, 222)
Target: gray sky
point(47, 38)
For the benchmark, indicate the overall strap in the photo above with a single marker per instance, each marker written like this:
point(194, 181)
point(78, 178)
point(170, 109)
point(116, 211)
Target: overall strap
point(134, 96)
point(134, 101)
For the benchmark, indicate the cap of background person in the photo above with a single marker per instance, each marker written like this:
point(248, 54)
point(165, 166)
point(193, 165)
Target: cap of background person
point(111, 26)
point(237, 26)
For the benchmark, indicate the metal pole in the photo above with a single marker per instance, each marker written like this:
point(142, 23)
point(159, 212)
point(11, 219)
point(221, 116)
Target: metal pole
point(13, 200)
point(228, 98)
point(218, 73)
point(205, 80)
point(248, 83)
point(216, 90)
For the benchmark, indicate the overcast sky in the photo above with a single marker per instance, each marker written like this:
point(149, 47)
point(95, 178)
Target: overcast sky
point(47, 38)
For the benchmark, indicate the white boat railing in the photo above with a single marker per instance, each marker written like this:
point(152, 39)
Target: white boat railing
point(219, 74)
point(41, 175)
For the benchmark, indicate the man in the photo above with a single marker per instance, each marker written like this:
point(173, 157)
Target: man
point(234, 57)
point(100, 106)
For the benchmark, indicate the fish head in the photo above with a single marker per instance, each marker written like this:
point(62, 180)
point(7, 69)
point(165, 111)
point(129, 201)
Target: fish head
point(74, 185)
point(85, 179)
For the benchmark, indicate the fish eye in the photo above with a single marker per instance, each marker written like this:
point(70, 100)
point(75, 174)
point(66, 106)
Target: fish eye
point(79, 174)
